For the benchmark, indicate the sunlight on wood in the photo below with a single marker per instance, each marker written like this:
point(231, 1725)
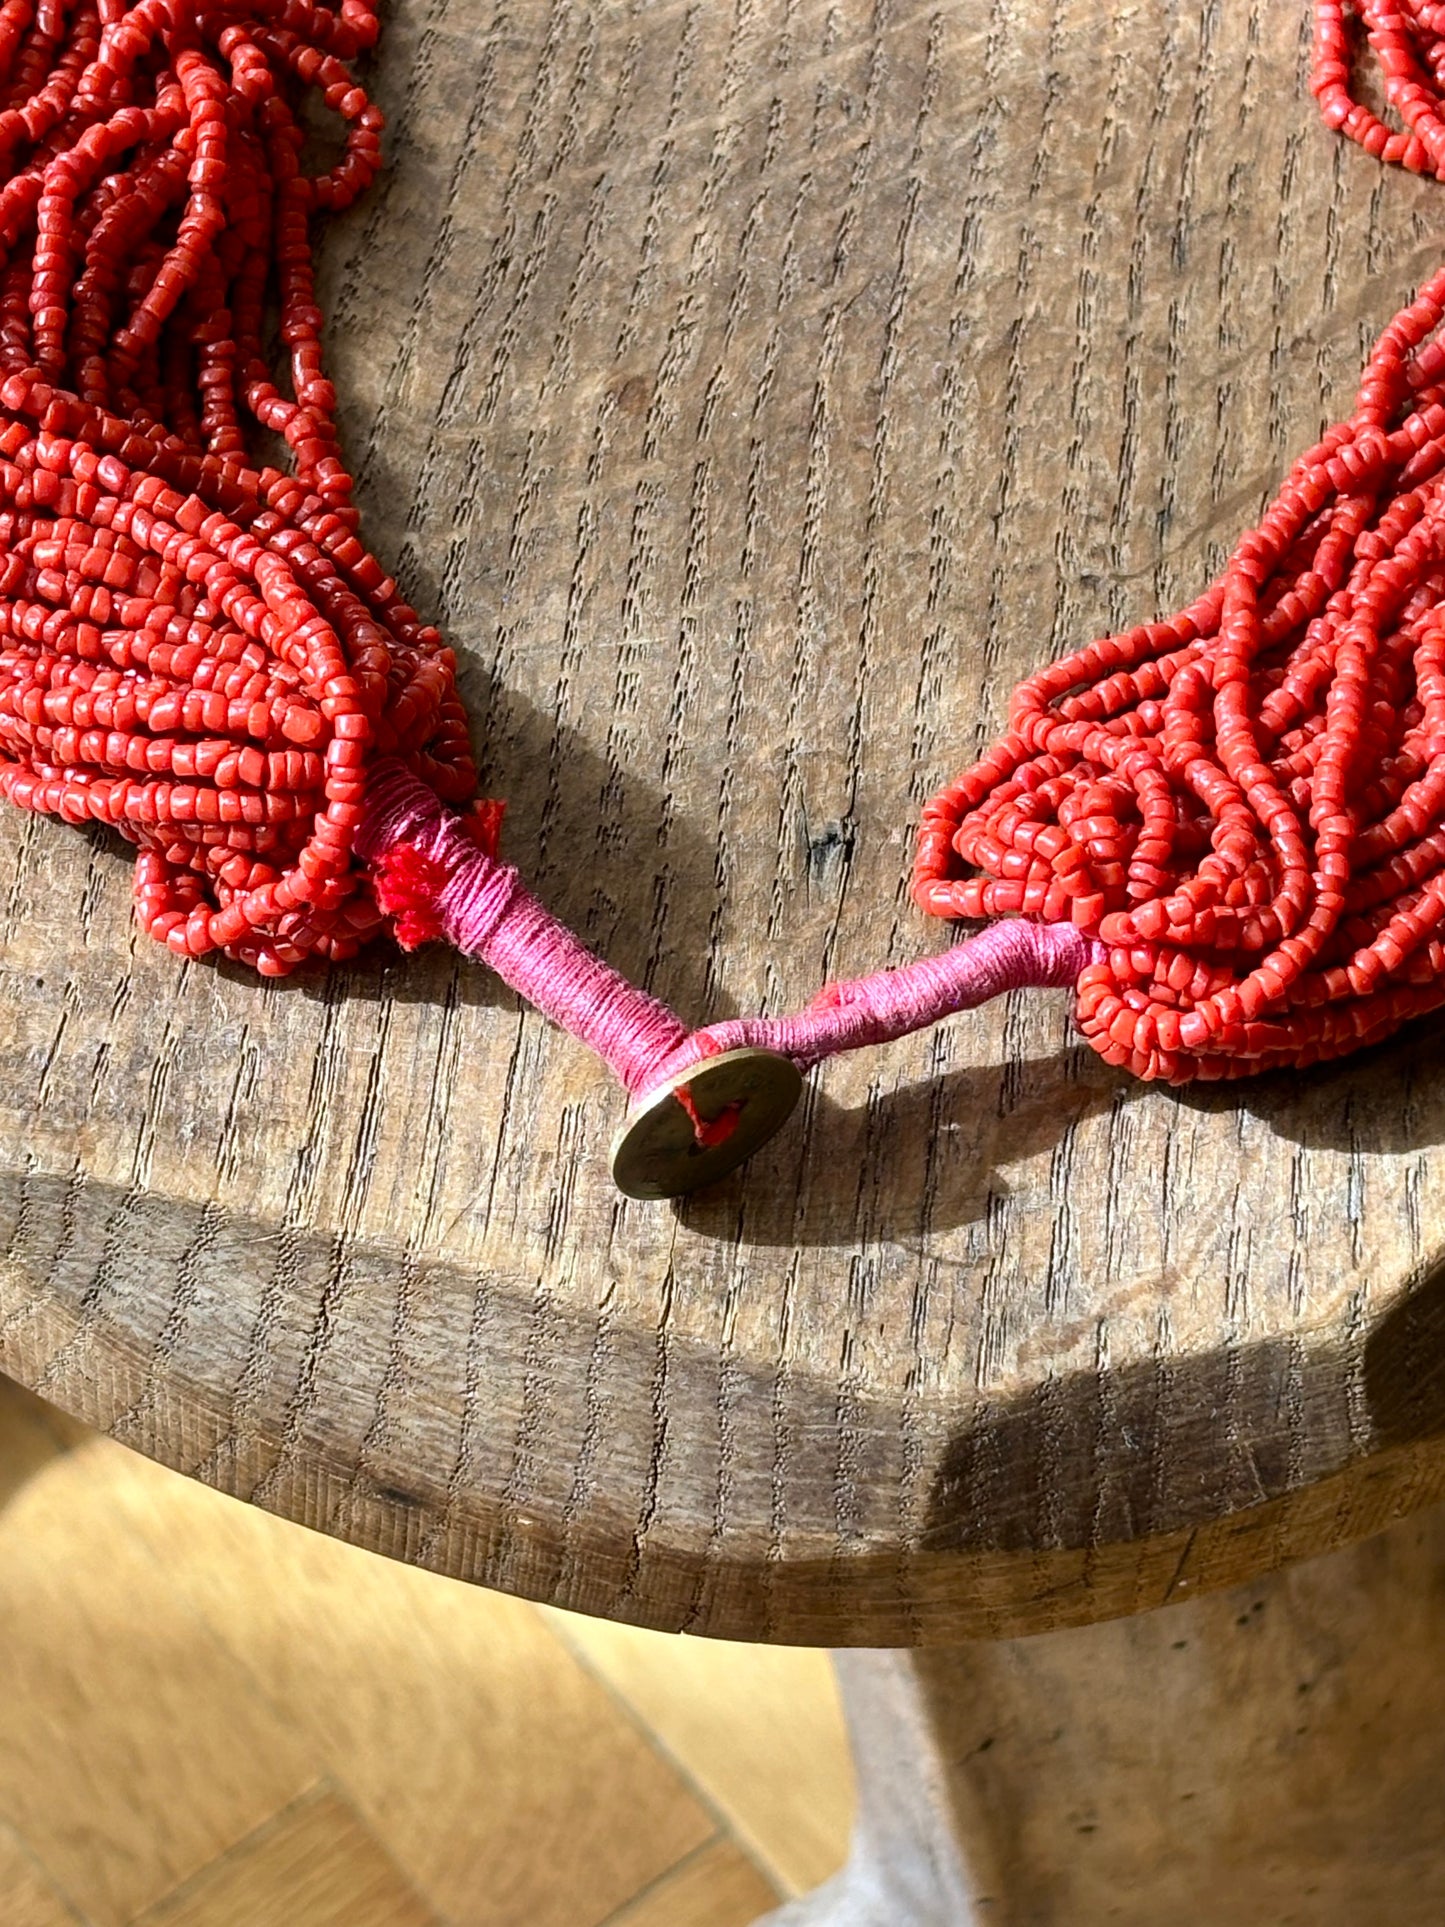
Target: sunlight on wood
point(759, 1728)
point(720, 1887)
point(27, 1898)
point(314, 1866)
point(210, 1717)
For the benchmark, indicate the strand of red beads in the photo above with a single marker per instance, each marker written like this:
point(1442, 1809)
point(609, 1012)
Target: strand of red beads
point(194, 648)
point(1244, 802)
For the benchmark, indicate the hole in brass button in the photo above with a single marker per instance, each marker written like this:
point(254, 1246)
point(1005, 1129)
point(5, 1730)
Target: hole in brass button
point(656, 1153)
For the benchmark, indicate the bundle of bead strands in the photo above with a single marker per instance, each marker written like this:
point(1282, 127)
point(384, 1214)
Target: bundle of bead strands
point(1244, 803)
point(1224, 829)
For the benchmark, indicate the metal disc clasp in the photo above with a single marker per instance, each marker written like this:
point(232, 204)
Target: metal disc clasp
point(656, 1154)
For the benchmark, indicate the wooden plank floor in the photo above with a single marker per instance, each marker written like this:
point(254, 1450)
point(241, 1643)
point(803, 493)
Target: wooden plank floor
point(212, 1718)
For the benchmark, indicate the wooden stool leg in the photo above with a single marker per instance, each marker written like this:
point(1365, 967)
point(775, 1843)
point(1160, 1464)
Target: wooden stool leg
point(1273, 1756)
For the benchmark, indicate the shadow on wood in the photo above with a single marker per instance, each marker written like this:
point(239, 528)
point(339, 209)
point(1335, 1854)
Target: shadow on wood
point(1272, 1755)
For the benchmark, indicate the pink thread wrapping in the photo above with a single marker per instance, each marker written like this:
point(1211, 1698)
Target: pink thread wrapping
point(485, 910)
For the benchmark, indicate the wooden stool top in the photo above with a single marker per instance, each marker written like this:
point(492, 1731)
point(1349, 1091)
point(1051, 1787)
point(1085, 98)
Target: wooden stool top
point(754, 393)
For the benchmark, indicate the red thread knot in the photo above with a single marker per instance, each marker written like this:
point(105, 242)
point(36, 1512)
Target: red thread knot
point(709, 1131)
point(407, 885)
point(483, 824)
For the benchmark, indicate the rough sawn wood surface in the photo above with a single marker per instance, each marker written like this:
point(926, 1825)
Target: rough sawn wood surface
point(755, 390)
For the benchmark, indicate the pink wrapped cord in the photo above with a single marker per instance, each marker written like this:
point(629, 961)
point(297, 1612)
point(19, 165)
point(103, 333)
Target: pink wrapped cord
point(482, 906)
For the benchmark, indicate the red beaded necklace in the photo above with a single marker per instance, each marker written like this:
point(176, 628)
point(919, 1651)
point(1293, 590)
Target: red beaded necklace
point(1231, 823)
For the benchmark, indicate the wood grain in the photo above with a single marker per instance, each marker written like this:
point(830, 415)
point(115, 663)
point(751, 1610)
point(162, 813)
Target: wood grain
point(758, 1729)
point(719, 1887)
point(315, 1865)
point(754, 392)
point(30, 1898)
point(475, 1751)
point(1272, 1756)
point(116, 1792)
point(412, 1751)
